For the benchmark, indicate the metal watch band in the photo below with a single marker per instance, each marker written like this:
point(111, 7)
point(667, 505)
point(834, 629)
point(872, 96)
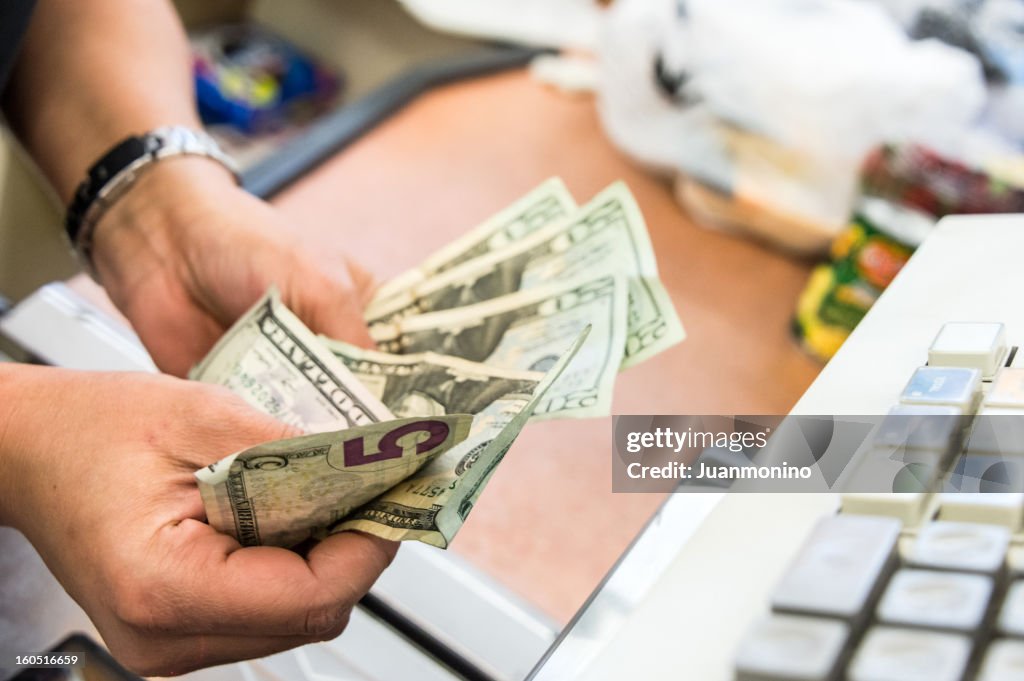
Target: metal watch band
point(117, 170)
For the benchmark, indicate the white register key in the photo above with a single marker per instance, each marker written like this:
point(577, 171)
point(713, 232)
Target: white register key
point(907, 507)
point(891, 654)
point(1004, 661)
point(791, 648)
point(971, 547)
point(1011, 617)
point(996, 508)
point(952, 386)
point(976, 345)
point(940, 600)
point(893, 482)
point(839, 569)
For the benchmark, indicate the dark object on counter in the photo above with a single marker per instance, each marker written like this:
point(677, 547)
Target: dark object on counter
point(256, 81)
point(955, 28)
point(340, 127)
point(917, 177)
point(906, 188)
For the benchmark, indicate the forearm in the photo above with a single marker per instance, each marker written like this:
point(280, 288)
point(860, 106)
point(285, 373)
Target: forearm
point(184, 252)
point(20, 399)
point(8, 415)
point(92, 73)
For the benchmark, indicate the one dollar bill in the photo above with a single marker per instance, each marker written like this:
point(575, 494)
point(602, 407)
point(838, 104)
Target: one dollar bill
point(529, 330)
point(280, 367)
point(429, 384)
point(607, 234)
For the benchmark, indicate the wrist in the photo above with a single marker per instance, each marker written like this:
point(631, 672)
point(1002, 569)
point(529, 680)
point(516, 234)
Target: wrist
point(146, 230)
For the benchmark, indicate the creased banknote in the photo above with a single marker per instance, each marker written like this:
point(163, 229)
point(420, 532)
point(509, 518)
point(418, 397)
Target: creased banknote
point(433, 503)
point(607, 234)
point(529, 330)
point(279, 366)
point(547, 203)
point(428, 384)
point(280, 493)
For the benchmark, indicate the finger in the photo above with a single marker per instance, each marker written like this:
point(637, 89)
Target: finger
point(328, 559)
point(363, 281)
point(269, 591)
point(229, 425)
point(330, 308)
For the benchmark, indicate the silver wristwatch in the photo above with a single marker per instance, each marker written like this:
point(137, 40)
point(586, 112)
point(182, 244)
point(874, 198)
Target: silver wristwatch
point(110, 177)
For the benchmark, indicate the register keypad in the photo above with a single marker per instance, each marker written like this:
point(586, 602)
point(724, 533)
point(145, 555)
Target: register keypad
point(924, 583)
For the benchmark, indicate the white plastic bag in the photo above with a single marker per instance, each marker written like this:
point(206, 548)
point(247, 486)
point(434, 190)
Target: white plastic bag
point(780, 99)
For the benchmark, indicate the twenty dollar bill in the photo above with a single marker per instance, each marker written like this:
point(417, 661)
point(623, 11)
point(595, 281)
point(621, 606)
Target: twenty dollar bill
point(547, 203)
point(608, 234)
point(429, 384)
point(530, 330)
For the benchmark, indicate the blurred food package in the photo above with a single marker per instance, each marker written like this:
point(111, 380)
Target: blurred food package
point(906, 190)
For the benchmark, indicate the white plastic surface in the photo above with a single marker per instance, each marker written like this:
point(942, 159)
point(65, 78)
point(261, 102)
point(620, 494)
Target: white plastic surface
point(62, 329)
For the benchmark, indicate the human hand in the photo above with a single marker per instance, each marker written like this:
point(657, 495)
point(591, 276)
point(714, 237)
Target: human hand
point(102, 485)
point(186, 252)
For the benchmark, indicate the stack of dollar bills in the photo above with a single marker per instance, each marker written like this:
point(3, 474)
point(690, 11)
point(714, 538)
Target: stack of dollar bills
point(530, 315)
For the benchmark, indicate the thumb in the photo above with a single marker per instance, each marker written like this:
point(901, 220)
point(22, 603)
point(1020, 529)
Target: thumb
point(332, 307)
point(229, 425)
point(364, 282)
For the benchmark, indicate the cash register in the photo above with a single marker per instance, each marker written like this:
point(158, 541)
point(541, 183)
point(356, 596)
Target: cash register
point(915, 586)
